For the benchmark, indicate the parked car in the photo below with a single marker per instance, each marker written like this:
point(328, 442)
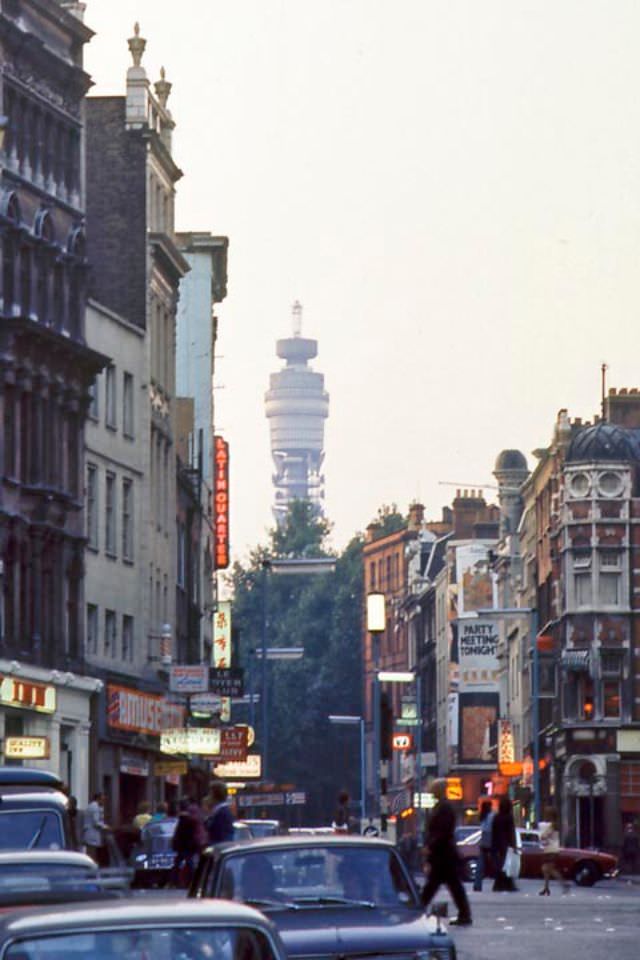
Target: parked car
point(164, 929)
point(152, 858)
point(328, 895)
point(586, 867)
point(33, 877)
point(33, 810)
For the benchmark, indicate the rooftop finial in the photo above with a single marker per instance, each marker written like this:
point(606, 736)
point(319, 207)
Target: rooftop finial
point(136, 45)
point(296, 313)
point(162, 88)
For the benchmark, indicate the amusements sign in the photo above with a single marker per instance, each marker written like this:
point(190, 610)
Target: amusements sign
point(221, 502)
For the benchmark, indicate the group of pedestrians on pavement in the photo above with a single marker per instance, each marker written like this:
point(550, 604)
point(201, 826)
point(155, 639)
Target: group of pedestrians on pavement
point(497, 836)
point(196, 828)
point(498, 844)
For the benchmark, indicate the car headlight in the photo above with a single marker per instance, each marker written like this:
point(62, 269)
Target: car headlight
point(141, 858)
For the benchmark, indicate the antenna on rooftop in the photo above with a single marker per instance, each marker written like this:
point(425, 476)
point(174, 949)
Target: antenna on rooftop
point(603, 370)
point(296, 316)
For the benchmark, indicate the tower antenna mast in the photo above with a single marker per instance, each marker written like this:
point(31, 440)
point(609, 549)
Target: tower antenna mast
point(603, 371)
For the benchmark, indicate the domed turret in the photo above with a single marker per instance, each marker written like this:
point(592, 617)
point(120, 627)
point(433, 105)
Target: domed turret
point(604, 441)
point(510, 471)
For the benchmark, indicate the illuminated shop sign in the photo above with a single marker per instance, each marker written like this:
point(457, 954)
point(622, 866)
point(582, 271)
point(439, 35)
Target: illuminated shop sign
point(221, 502)
point(16, 692)
point(141, 712)
point(27, 748)
point(249, 769)
point(203, 741)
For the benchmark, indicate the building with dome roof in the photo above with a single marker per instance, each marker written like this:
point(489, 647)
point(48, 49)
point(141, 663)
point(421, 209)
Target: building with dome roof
point(575, 572)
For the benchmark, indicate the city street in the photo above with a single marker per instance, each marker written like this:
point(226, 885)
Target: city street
point(597, 922)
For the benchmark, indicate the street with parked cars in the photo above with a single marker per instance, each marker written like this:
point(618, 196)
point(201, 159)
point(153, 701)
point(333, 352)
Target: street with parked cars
point(273, 893)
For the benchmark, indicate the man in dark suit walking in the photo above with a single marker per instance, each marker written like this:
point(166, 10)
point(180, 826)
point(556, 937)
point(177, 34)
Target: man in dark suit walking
point(442, 855)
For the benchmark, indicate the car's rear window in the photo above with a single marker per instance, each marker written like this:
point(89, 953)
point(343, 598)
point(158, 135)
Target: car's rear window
point(21, 877)
point(160, 943)
point(30, 830)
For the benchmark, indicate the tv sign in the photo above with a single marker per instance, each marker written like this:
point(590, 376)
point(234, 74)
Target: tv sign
point(221, 502)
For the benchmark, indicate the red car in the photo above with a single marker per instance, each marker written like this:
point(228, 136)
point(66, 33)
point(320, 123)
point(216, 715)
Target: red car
point(586, 867)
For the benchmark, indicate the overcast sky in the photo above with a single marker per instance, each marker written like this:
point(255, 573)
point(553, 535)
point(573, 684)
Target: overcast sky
point(452, 189)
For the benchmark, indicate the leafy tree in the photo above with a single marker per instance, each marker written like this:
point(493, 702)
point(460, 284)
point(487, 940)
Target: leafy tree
point(323, 613)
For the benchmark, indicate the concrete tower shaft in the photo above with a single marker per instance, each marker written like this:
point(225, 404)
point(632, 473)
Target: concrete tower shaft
point(296, 406)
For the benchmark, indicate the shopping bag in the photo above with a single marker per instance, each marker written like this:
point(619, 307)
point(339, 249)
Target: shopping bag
point(511, 866)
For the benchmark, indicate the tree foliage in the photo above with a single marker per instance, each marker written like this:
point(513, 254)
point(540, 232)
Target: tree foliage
point(323, 614)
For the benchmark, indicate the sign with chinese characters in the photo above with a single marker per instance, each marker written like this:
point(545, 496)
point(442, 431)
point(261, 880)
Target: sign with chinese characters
point(221, 653)
point(233, 743)
point(221, 502)
point(249, 769)
point(27, 694)
point(227, 682)
point(506, 745)
point(189, 678)
point(27, 748)
point(141, 712)
point(201, 741)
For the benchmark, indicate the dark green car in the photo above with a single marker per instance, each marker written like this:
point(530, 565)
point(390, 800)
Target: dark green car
point(329, 896)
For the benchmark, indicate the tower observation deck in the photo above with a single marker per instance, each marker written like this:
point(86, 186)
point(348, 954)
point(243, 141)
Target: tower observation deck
point(296, 406)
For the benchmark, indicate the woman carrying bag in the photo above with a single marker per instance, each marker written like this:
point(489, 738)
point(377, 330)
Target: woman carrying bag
point(503, 840)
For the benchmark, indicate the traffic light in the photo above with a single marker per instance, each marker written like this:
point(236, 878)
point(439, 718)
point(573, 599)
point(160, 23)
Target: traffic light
point(386, 727)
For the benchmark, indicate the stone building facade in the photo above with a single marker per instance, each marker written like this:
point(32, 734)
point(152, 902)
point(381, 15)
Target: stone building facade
point(46, 369)
point(131, 179)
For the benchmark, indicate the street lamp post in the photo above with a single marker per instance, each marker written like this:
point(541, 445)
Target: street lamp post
point(352, 721)
point(376, 624)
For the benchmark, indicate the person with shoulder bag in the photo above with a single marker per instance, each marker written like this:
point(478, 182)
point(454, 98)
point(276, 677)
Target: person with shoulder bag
point(504, 847)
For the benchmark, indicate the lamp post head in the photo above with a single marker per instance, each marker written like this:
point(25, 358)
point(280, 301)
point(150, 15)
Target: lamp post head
point(376, 613)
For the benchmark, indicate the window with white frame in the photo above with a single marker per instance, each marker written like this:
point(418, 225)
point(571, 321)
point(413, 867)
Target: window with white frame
point(609, 589)
point(92, 506)
point(127, 519)
point(583, 589)
point(110, 634)
point(110, 397)
point(110, 515)
point(128, 425)
point(92, 628)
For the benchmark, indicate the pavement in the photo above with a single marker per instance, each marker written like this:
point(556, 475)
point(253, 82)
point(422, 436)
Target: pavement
point(598, 923)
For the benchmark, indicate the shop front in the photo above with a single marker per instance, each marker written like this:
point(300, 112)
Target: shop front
point(130, 767)
point(45, 722)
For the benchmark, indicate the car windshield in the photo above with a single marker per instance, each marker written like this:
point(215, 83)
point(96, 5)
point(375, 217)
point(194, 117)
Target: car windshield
point(316, 876)
point(156, 837)
point(162, 943)
point(30, 830)
point(470, 838)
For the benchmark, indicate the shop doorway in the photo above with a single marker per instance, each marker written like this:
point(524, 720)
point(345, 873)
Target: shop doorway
point(133, 790)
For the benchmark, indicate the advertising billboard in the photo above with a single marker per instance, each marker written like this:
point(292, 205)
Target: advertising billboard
point(474, 578)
